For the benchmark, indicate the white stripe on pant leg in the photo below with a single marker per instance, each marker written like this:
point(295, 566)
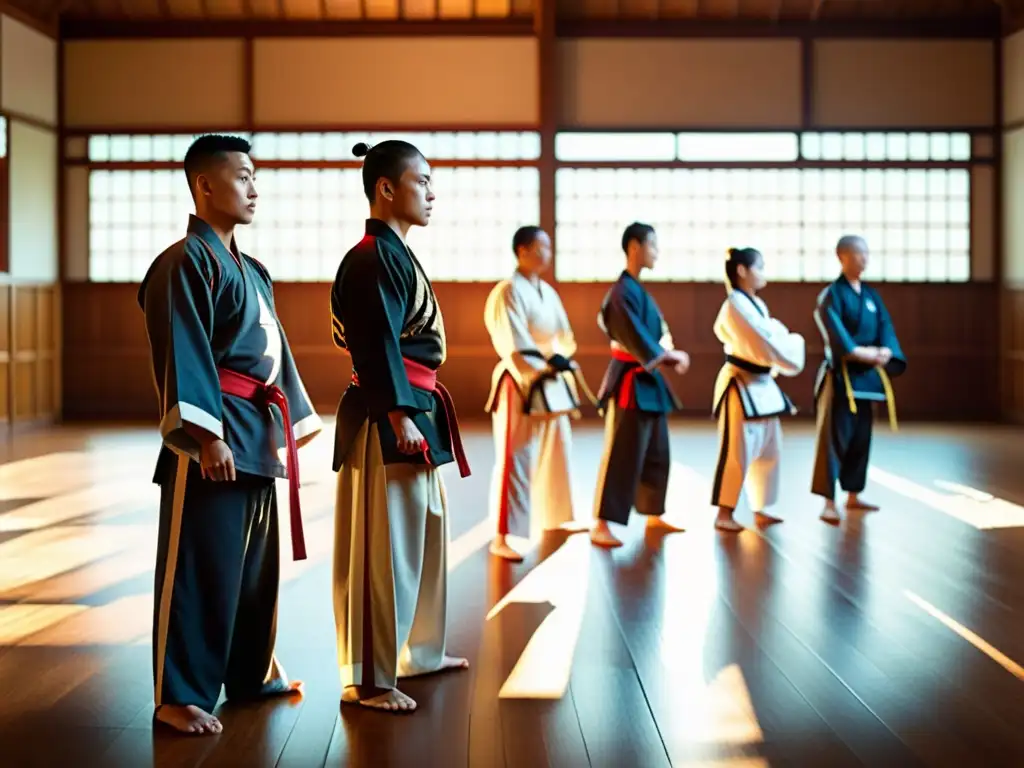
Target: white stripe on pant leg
point(733, 452)
point(170, 568)
point(612, 419)
point(763, 474)
point(362, 497)
point(514, 449)
point(423, 649)
point(551, 491)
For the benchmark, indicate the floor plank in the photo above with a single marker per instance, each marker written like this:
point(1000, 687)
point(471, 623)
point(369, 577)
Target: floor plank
point(894, 639)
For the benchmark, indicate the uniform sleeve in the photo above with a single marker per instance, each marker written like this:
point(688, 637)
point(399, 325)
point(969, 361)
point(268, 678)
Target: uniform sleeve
point(830, 323)
point(179, 310)
point(624, 323)
point(374, 295)
point(764, 340)
point(509, 329)
point(566, 338)
point(305, 423)
point(887, 338)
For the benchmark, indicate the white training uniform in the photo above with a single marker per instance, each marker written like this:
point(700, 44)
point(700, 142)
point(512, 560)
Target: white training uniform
point(530, 406)
point(748, 401)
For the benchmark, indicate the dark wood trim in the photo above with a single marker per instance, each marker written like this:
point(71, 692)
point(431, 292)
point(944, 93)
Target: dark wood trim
point(93, 29)
point(786, 164)
point(35, 122)
point(62, 249)
point(174, 165)
point(137, 130)
point(49, 29)
point(973, 130)
point(1013, 125)
point(547, 93)
point(249, 82)
point(969, 28)
point(806, 83)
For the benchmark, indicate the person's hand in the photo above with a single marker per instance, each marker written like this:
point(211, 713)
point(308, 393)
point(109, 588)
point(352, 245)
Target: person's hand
point(679, 360)
point(410, 439)
point(884, 356)
point(216, 462)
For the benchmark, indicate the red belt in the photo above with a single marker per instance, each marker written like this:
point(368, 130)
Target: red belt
point(240, 385)
point(627, 397)
point(422, 377)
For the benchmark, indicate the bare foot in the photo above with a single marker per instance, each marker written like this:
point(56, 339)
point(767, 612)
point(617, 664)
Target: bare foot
point(392, 700)
point(281, 687)
point(829, 514)
point(604, 538)
point(764, 519)
point(453, 662)
point(854, 502)
point(662, 525)
point(500, 548)
point(574, 526)
point(728, 525)
point(188, 719)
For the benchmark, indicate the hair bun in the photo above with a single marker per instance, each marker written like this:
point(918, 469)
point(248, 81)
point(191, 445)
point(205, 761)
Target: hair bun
point(731, 253)
point(361, 149)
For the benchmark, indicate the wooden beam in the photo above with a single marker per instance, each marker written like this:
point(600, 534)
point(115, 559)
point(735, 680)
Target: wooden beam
point(967, 28)
point(47, 28)
point(95, 29)
point(544, 18)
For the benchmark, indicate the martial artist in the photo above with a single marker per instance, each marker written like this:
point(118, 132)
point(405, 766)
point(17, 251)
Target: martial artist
point(231, 399)
point(748, 400)
point(533, 394)
point(635, 396)
point(396, 425)
point(862, 354)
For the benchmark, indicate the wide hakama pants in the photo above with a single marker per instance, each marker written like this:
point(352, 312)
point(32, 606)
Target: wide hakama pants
point(843, 444)
point(748, 456)
point(216, 587)
point(635, 466)
point(531, 489)
point(390, 567)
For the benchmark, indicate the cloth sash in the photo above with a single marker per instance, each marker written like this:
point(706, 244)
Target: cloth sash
point(746, 365)
point(576, 373)
point(422, 377)
point(627, 397)
point(265, 395)
point(890, 396)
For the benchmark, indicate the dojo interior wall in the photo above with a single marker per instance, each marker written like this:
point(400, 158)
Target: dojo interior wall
point(1012, 299)
point(29, 256)
point(478, 83)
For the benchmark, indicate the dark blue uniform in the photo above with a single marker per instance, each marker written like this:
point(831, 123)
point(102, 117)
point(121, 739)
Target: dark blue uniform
point(217, 572)
point(845, 390)
point(636, 399)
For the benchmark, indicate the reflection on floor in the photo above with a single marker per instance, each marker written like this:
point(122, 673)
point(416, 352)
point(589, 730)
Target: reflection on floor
point(889, 641)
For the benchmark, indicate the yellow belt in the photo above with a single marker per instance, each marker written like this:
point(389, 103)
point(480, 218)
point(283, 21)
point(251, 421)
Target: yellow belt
point(890, 397)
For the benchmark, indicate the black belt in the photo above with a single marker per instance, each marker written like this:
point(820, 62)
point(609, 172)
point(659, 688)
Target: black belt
point(746, 365)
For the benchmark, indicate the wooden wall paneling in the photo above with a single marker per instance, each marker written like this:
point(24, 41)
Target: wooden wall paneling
point(953, 370)
point(5, 353)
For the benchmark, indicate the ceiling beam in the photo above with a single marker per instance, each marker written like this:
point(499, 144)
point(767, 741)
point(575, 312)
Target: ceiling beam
point(94, 29)
point(964, 28)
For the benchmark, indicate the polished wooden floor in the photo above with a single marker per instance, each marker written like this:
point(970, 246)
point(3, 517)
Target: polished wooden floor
point(893, 640)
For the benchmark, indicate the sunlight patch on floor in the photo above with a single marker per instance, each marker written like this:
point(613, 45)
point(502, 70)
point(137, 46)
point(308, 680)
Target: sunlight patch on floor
point(969, 505)
point(977, 641)
point(545, 665)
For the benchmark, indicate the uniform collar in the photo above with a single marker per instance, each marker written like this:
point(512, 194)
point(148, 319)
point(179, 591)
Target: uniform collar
point(378, 228)
point(200, 228)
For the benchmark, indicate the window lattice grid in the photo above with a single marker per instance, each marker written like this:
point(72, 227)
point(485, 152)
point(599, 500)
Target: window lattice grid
point(306, 220)
point(917, 222)
point(323, 147)
point(892, 146)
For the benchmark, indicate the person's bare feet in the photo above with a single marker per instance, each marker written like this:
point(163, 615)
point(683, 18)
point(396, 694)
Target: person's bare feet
point(188, 719)
point(764, 519)
point(661, 525)
point(855, 502)
point(602, 536)
point(392, 700)
point(501, 548)
point(448, 663)
point(829, 514)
